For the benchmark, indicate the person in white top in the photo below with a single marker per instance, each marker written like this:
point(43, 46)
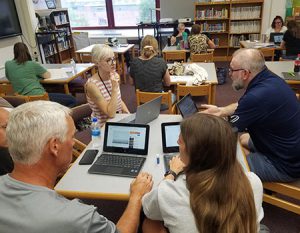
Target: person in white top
point(206, 189)
point(276, 26)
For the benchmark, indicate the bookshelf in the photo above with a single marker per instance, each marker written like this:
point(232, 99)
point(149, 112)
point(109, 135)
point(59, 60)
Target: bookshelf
point(228, 22)
point(56, 44)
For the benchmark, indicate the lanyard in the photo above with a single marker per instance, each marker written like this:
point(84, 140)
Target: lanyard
point(104, 84)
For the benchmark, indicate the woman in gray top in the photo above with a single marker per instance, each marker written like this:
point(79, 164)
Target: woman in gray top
point(148, 72)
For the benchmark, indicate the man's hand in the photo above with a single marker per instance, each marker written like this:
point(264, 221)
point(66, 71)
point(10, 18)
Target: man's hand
point(176, 165)
point(211, 109)
point(141, 185)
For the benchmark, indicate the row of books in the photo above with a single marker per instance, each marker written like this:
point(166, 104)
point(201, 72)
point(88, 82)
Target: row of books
point(60, 19)
point(245, 26)
point(249, 12)
point(212, 13)
point(213, 27)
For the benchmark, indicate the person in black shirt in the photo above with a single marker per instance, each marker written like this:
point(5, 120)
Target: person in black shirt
point(6, 163)
point(291, 40)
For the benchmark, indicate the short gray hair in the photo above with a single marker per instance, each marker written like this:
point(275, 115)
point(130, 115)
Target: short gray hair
point(249, 59)
point(31, 126)
point(100, 52)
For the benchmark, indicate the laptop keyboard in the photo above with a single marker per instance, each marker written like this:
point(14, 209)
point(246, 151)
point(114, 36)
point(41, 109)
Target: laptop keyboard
point(120, 161)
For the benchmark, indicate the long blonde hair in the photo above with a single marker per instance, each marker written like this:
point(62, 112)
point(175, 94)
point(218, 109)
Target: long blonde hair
point(221, 196)
point(149, 46)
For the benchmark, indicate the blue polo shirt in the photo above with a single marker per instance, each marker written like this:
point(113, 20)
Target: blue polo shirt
point(270, 112)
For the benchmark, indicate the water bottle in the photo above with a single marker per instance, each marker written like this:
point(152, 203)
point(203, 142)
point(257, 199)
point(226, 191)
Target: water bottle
point(96, 133)
point(297, 64)
point(73, 65)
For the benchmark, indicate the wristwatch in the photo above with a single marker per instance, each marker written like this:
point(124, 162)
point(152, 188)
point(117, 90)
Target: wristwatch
point(170, 172)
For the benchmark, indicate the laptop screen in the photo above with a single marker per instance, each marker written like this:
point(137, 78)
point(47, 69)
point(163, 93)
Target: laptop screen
point(170, 132)
point(187, 106)
point(276, 37)
point(126, 138)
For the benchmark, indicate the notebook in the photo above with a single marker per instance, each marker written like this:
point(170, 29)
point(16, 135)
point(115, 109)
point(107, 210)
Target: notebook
point(145, 113)
point(187, 106)
point(170, 132)
point(291, 76)
point(125, 148)
point(276, 37)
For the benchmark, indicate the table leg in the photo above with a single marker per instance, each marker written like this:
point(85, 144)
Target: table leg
point(66, 87)
point(213, 93)
point(133, 52)
point(123, 67)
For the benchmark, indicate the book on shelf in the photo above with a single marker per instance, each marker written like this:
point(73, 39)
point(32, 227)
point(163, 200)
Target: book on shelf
point(213, 27)
point(212, 13)
point(247, 12)
point(245, 26)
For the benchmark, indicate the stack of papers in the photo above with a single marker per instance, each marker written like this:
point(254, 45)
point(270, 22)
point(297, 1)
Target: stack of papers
point(59, 73)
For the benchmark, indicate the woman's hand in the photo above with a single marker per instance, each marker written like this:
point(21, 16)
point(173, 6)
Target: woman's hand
point(176, 165)
point(115, 78)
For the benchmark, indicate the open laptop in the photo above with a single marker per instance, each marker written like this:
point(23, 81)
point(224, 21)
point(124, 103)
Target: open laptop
point(145, 113)
point(170, 132)
point(125, 148)
point(187, 106)
point(276, 37)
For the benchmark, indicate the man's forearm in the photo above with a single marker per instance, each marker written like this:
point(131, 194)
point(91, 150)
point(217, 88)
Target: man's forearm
point(129, 221)
point(228, 110)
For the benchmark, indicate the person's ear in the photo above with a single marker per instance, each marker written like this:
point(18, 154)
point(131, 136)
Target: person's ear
point(54, 146)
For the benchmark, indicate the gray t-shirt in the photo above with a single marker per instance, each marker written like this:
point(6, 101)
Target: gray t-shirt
point(34, 209)
point(148, 74)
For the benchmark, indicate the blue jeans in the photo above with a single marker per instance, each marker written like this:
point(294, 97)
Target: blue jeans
point(64, 99)
point(264, 168)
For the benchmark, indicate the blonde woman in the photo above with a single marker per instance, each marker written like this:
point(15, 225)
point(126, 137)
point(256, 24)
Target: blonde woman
point(102, 89)
point(148, 72)
point(206, 189)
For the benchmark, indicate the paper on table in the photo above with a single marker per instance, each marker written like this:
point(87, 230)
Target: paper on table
point(58, 73)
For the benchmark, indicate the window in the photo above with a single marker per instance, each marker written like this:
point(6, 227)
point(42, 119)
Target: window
point(109, 13)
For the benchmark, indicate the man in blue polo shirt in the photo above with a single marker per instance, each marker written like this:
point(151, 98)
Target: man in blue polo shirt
point(270, 114)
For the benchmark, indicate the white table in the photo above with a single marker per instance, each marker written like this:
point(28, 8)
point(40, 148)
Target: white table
point(77, 182)
point(118, 50)
point(81, 69)
point(212, 78)
point(258, 45)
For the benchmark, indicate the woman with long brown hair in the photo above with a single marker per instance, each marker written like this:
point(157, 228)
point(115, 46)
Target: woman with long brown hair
point(207, 189)
point(291, 40)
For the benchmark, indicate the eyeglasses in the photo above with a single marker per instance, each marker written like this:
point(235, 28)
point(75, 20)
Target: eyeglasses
point(232, 70)
point(111, 60)
point(3, 126)
point(279, 22)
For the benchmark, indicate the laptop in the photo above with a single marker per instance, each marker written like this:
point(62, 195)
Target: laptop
point(187, 106)
point(125, 148)
point(145, 113)
point(276, 37)
point(170, 132)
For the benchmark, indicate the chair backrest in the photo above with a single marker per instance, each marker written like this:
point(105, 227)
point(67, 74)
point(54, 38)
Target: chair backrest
point(268, 53)
point(78, 147)
point(278, 192)
point(6, 89)
point(202, 90)
point(143, 97)
point(202, 57)
point(179, 55)
point(80, 112)
point(15, 100)
point(38, 97)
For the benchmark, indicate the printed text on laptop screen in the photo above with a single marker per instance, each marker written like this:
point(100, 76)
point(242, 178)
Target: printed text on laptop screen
point(126, 137)
point(172, 134)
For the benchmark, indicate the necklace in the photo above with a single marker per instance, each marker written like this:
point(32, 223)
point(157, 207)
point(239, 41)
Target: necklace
point(104, 84)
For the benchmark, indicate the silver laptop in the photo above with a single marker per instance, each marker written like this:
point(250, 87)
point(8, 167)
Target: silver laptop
point(170, 132)
point(145, 113)
point(125, 148)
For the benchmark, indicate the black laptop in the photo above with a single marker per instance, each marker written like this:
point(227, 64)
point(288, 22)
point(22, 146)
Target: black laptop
point(187, 106)
point(276, 37)
point(125, 148)
point(170, 132)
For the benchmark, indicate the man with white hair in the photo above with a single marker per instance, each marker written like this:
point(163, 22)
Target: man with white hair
point(270, 112)
point(40, 138)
